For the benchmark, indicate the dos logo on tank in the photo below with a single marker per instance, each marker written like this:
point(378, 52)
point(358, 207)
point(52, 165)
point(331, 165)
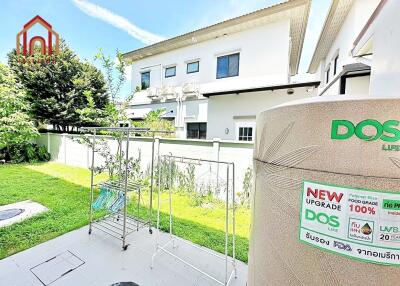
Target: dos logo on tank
point(368, 130)
point(385, 132)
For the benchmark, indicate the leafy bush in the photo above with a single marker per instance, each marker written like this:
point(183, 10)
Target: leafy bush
point(168, 170)
point(16, 126)
point(154, 121)
point(187, 179)
point(114, 160)
point(244, 196)
point(24, 152)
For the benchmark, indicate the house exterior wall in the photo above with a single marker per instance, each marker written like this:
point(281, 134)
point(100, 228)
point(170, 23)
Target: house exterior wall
point(385, 69)
point(358, 85)
point(228, 112)
point(333, 89)
point(264, 58)
point(343, 43)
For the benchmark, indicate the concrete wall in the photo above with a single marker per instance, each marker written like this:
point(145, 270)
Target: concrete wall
point(64, 149)
point(234, 110)
point(264, 58)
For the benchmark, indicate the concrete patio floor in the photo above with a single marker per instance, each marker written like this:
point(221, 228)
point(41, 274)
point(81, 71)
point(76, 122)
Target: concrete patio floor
point(99, 260)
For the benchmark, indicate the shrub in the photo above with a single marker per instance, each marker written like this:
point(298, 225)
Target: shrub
point(16, 126)
point(247, 187)
point(24, 152)
point(154, 121)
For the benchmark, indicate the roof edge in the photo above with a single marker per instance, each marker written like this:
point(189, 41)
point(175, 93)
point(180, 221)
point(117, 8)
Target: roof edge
point(313, 63)
point(301, 45)
point(289, 4)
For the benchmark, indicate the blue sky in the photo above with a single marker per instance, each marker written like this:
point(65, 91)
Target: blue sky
point(130, 24)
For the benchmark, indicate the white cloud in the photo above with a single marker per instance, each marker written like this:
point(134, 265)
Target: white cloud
point(117, 21)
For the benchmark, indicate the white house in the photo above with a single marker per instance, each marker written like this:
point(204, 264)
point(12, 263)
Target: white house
point(378, 44)
point(333, 62)
point(213, 81)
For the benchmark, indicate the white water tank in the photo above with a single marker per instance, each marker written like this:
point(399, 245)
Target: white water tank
point(326, 205)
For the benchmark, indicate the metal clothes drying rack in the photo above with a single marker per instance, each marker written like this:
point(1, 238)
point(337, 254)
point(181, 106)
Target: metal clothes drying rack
point(228, 274)
point(119, 224)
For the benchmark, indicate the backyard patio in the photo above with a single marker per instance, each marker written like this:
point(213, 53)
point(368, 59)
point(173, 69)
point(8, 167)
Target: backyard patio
point(57, 249)
point(77, 258)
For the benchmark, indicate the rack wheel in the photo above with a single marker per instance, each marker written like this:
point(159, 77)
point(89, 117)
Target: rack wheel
point(90, 231)
point(125, 247)
point(150, 231)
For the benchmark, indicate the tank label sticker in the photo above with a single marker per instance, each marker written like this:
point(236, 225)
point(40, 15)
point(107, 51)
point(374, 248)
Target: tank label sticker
point(358, 223)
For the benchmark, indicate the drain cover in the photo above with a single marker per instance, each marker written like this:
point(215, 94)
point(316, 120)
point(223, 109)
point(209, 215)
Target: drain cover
point(125, 284)
point(56, 267)
point(10, 213)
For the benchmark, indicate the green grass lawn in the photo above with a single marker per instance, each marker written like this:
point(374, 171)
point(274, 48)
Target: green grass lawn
point(64, 190)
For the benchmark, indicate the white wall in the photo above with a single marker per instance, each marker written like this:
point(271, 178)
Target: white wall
point(342, 45)
point(358, 85)
point(64, 149)
point(224, 110)
point(385, 72)
point(334, 89)
point(264, 59)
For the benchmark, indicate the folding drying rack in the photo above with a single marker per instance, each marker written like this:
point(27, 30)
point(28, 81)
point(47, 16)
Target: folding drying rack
point(118, 223)
point(229, 201)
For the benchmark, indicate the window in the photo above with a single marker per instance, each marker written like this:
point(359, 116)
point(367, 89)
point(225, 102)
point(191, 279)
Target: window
point(196, 131)
point(327, 75)
point(245, 133)
point(170, 72)
point(192, 67)
point(145, 80)
point(228, 66)
point(335, 64)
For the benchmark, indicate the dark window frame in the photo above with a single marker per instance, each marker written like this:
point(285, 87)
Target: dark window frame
point(335, 61)
point(168, 68)
point(343, 80)
point(228, 57)
point(195, 62)
point(201, 130)
point(141, 80)
point(327, 73)
point(246, 133)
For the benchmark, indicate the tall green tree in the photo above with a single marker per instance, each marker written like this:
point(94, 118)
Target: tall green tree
point(56, 87)
point(16, 127)
point(114, 70)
